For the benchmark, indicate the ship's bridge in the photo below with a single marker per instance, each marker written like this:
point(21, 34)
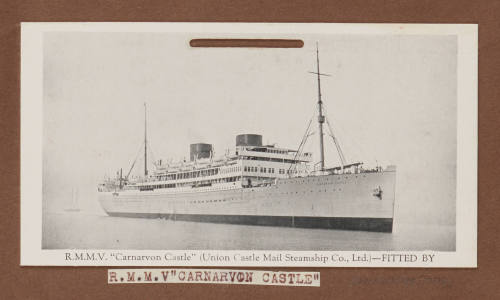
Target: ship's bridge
point(250, 147)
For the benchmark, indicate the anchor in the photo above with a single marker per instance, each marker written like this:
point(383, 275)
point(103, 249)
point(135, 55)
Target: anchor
point(378, 193)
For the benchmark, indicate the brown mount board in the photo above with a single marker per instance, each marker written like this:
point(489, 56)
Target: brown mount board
point(339, 283)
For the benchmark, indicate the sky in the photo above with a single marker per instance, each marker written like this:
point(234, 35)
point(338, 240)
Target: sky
point(391, 99)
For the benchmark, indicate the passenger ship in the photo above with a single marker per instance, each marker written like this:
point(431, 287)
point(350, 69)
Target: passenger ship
point(258, 184)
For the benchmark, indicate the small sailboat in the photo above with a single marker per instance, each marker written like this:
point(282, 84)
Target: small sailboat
point(74, 207)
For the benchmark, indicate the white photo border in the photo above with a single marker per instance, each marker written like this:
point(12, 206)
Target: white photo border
point(31, 146)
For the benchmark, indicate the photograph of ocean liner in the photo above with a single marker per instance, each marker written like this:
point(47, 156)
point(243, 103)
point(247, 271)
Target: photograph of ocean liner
point(362, 152)
point(258, 185)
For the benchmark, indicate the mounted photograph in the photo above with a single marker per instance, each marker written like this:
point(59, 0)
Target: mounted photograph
point(291, 141)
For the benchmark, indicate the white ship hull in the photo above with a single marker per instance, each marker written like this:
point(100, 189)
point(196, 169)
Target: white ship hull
point(345, 201)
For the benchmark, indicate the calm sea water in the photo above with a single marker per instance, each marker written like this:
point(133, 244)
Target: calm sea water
point(80, 230)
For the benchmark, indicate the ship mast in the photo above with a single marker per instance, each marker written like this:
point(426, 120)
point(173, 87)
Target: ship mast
point(145, 144)
point(321, 117)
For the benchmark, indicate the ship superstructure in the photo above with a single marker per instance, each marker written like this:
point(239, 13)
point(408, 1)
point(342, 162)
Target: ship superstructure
point(258, 184)
point(250, 165)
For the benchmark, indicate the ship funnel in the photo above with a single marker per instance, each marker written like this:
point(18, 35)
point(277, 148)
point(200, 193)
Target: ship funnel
point(199, 150)
point(249, 140)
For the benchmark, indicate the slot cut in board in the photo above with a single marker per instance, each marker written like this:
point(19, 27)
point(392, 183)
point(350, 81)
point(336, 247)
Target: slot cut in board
point(246, 43)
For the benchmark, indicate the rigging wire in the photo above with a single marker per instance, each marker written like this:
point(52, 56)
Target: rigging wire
point(301, 146)
point(355, 147)
point(337, 144)
point(152, 154)
point(135, 160)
